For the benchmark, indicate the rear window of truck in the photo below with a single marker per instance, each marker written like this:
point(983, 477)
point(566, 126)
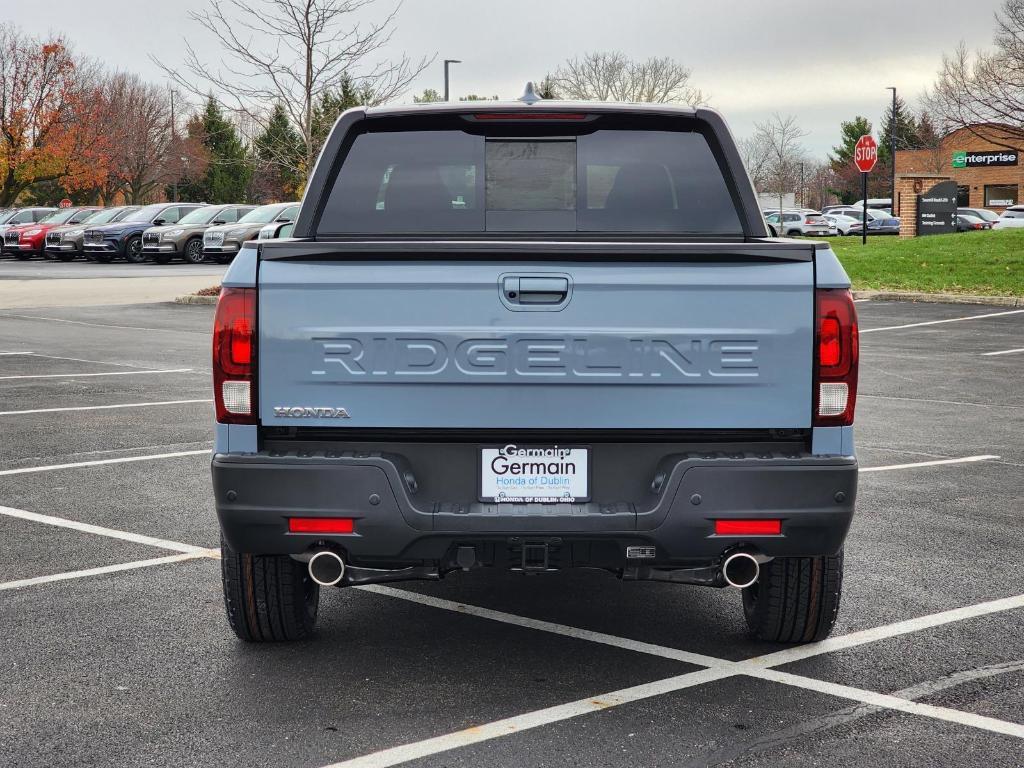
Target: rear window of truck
point(457, 181)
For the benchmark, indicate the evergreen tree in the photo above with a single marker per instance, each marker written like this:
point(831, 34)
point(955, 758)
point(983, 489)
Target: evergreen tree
point(279, 155)
point(230, 169)
point(906, 129)
point(332, 103)
point(850, 131)
point(928, 135)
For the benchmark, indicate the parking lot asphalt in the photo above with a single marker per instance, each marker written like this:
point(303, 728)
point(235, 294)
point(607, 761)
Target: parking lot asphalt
point(116, 651)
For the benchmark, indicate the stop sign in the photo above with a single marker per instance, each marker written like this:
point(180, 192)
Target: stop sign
point(865, 153)
point(65, 203)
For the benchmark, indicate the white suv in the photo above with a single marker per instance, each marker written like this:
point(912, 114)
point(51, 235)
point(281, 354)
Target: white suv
point(1012, 218)
point(798, 223)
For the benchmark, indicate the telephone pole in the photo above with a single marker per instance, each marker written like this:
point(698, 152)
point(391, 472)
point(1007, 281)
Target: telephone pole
point(892, 153)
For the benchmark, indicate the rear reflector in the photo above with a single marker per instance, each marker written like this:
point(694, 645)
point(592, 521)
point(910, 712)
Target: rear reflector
point(321, 525)
point(748, 527)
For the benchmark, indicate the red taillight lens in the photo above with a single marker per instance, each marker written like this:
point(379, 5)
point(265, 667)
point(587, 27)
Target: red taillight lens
point(234, 354)
point(836, 358)
point(321, 524)
point(748, 527)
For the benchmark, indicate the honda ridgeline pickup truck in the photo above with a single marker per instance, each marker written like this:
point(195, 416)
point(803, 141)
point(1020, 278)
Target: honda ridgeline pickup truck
point(534, 336)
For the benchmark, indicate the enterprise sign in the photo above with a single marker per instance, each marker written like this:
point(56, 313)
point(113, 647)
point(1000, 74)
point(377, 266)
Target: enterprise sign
point(984, 159)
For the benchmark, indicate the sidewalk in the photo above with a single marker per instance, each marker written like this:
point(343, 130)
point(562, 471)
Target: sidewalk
point(22, 294)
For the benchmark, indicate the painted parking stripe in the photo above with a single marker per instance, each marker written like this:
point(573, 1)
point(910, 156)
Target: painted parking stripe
point(112, 533)
point(940, 322)
point(72, 359)
point(547, 626)
point(82, 375)
point(102, 407)
point(842, 642)
point(1004, 352)
point(935, 463)
point(101, 325)
point(102, 462)
point(528, 720)
point(894, 702)
point(68, 575)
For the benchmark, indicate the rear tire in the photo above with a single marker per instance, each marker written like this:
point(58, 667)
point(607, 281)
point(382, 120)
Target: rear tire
point(268, 598)
point(795, 600)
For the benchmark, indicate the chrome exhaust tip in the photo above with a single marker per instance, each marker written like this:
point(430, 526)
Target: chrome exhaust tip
point(740, 570)
point(326, 568)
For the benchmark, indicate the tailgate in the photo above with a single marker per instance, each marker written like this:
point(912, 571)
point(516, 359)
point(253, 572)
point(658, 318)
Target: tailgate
point(464, 344)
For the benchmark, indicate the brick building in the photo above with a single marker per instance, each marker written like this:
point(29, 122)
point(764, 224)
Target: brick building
point(987, 173)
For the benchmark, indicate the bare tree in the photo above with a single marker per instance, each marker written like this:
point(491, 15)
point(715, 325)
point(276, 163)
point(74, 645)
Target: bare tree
point(780, 138)
point(613, 76)
point(294, 53)
point(986, 87)
point(756, 156)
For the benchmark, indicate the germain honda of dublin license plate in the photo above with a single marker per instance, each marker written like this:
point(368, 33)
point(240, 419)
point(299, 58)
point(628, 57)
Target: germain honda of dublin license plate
point(541, 474)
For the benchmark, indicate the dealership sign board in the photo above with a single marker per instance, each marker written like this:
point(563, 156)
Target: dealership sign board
point(984, 159)
point(936, 209)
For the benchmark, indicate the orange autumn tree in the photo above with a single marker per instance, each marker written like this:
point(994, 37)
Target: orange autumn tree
point(48, 131)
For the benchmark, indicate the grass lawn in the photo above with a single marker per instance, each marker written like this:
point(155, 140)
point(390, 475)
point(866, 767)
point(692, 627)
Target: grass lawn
point(990, 263)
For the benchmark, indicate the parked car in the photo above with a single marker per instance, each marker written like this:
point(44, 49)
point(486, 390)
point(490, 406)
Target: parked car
point(18, 216)
point(858, 213)
point(807, 223)
point(842, 222)
point(501, 390)
point(982, 213)
point(274, 228)
point(1011, 218)
point(185, 238)
point(888, 225)
point(223, 242)
point(123, 239)
point(65, 243)
point(966, 223)
point(28, 240)
point(876, 203)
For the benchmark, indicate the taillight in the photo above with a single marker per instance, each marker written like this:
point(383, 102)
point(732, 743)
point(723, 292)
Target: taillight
point(809, 220)
point(538, 115)
point(835, 359)
point(234, 356)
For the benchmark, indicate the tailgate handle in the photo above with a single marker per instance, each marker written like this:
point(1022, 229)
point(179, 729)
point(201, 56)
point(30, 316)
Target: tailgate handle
point(535, 290)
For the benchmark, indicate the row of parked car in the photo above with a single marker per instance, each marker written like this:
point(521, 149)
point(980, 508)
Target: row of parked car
point(162, 232)
point(848, 220)
point(830, 222)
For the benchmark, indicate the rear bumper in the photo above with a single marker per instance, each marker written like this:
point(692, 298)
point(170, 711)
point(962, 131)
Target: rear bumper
point(395, 525)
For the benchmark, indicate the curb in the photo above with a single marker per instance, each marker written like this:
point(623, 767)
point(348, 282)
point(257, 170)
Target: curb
point(191, 298)
point(941, 298)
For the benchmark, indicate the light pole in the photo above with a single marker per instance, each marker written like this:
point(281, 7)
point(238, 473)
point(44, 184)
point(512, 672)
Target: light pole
point(892, 151)
point(446, 63)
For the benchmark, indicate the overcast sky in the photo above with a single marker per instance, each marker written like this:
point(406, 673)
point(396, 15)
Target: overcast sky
point(823, 62)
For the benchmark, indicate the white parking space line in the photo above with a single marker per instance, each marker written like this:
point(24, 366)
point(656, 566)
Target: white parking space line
point(67, 575)
point(842, 642)
point(72, 359)
point(894, 702)
point(717, 669)
point(528, 720)
point(935, 463)
point(112, 533)
point(82, 375)
point(102, 325)
point(940, 322)
point(102, 407)
point(547, 626)
point(101, 462)
point(1004, 352)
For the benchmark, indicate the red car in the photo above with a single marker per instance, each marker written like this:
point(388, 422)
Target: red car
point(28, 240)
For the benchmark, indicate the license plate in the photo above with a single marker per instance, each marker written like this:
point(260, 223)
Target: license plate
point(539, 474)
